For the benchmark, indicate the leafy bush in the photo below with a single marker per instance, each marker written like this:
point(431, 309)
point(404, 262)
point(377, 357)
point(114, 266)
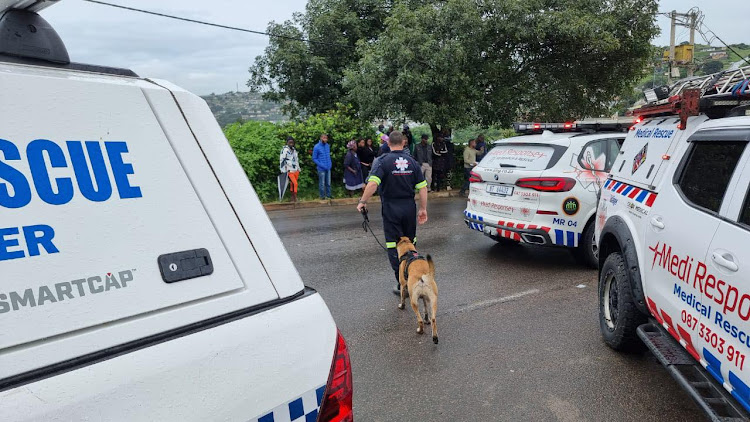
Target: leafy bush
point(712, 66)
point(258, 145)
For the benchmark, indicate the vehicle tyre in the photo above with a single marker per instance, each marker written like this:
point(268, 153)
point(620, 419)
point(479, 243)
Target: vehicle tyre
point(587, 252)
point(618, 316)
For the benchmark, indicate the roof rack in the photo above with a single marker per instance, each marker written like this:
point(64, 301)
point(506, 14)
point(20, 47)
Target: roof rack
point(715, 95)
point(617, 124)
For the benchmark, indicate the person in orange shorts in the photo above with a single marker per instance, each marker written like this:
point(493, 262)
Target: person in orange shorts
point(289, 164)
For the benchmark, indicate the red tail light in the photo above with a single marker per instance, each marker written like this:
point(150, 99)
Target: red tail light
point(475, 178)
point(537, 126)
point(337, 401)
point(547, 184)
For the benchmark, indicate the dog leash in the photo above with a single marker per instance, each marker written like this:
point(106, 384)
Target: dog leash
point(366, 227)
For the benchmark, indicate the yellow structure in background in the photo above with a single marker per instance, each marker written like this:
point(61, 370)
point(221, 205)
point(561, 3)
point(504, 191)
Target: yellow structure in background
point(682, 53)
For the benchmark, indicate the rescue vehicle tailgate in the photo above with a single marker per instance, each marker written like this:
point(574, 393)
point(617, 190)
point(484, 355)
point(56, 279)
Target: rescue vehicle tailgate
point(230, 372)
point(647, 147)
point(112, 219)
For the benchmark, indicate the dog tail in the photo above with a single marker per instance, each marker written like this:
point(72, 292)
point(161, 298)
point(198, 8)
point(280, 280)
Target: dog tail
point(431, 264)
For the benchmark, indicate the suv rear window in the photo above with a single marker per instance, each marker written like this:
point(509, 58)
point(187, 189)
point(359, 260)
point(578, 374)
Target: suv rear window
point(707, 172)
point(599, 155)
point(521, 156)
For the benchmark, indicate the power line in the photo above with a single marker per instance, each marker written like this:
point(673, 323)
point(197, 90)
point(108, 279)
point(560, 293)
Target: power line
point(216, 25)
point(705, 31)
point(714, 36)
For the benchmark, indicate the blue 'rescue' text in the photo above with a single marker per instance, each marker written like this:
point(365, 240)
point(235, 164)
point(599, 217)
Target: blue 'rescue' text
point(87, 170)
point(654, 133)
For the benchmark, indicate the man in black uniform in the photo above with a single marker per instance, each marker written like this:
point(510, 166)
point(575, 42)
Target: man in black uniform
point(398, 175)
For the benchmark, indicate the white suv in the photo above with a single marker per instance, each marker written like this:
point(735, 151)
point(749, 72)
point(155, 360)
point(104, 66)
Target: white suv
point(673, 229)
point(140, 278)
point(542, 189)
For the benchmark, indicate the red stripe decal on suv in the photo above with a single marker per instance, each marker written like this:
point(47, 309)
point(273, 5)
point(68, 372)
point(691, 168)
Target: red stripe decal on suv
point(637, 194)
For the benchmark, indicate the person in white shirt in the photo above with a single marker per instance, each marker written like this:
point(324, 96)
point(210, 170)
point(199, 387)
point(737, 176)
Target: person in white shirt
point(289, 164)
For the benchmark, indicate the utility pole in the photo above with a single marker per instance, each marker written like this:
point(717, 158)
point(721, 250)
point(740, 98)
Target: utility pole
point(673, 19)
point(689, 20)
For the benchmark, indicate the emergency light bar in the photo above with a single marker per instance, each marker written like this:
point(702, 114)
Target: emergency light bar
point(618, 124)
point(530, 127)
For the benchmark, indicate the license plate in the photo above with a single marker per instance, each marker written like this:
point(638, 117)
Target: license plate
point(500, 190)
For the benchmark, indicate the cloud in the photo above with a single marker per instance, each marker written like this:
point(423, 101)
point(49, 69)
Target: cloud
point(727, 18)
point(205, 60)
point(199, 58)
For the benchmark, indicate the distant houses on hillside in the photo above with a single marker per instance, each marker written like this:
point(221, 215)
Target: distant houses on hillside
point(233, 107)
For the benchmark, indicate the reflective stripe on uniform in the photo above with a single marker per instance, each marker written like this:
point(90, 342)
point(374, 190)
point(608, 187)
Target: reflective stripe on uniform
point(375, 179)
point(420, 185)
point(390, 245)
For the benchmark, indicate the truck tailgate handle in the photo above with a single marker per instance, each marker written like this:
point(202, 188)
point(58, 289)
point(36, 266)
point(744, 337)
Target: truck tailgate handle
point(179, 266)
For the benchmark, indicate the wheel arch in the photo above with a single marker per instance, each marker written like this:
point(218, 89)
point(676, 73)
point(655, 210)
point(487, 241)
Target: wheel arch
point(590, 219)
point(616, 237)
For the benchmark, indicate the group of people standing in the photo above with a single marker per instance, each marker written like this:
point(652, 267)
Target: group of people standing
point(473, 154)
point(321, 156)
point(435, 160)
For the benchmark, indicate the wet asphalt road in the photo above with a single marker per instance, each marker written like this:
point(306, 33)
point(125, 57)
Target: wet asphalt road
point(519, 335)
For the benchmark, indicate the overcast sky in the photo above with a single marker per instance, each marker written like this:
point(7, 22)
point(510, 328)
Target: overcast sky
point(205, 60)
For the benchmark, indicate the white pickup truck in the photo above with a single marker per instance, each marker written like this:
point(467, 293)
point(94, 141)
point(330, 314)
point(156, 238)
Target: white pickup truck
point(140, 278)
point(673, 228)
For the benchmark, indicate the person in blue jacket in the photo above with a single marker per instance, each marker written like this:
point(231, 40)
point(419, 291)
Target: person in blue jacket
point(322, 158)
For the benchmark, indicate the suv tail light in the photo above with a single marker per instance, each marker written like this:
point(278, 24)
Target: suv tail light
point(547, 184)
point(475, 178)
point(337, 400)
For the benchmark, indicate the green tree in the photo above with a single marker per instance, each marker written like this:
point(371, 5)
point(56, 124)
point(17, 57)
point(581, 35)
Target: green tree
point(307, 76)
point(457, 62)
point(712, 66)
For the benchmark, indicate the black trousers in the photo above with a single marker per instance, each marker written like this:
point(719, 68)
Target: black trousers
point(399, 219)
point(467, 175)
point(438, 177)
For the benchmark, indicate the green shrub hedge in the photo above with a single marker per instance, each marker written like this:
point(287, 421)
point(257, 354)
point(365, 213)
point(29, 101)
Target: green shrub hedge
point(258, 145)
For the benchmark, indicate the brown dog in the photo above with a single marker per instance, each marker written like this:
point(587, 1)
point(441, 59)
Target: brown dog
point(420, 282)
